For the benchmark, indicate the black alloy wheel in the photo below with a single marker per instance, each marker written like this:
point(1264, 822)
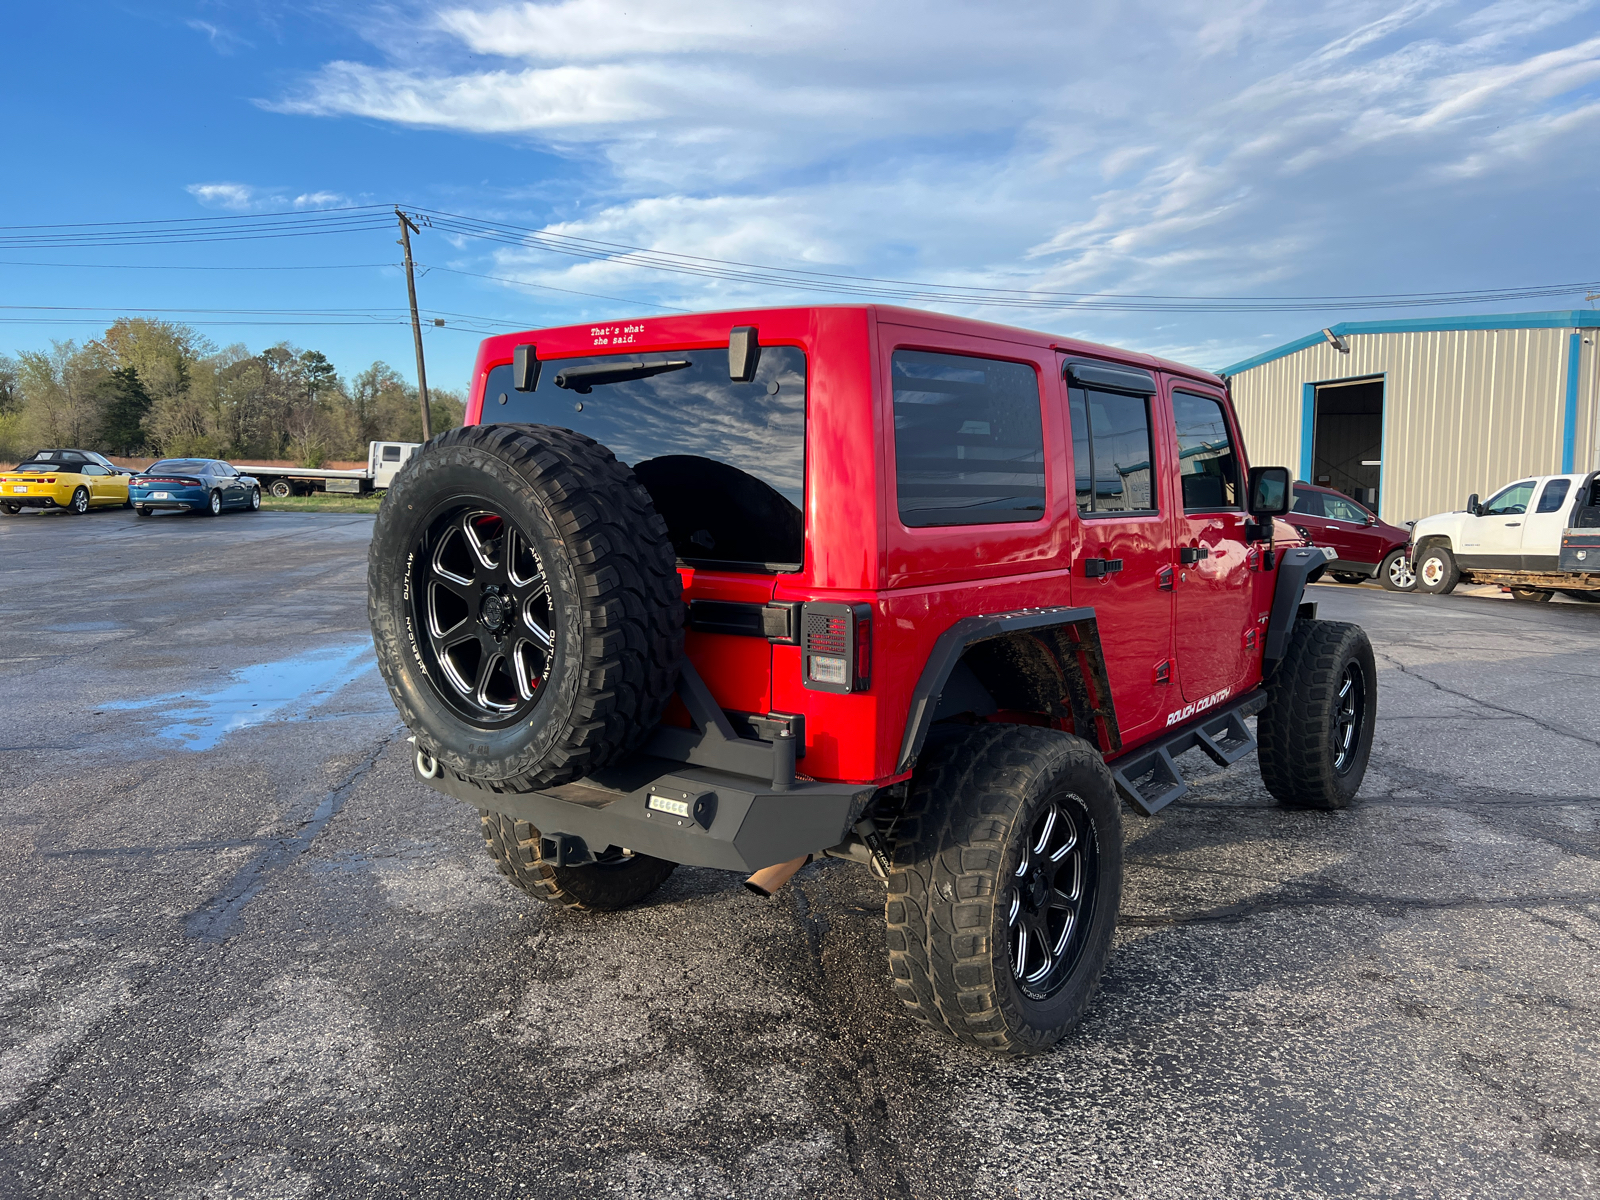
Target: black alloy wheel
point(1050, 904)
point(480, 598)
point(1348, 716)
point(79, 504)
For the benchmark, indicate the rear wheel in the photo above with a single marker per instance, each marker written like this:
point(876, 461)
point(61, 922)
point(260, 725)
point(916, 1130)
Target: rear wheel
point(1532, 595)
point(79, 504)
point(1322, 702)
point(1395, 573)
point(144, 512)
point(1580, 594)
point(13, 509)
point(213, 505)
point(1005, 880)
point(614, 880)
point(1349, 577)
point(1437, 573)
point(281, 489)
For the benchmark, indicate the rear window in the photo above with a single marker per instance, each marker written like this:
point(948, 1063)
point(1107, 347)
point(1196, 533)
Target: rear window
point(185, 466)
point(968, 440)
point(42, 465)
point(1307, 502)
point(723, 461)
point(1554, 495)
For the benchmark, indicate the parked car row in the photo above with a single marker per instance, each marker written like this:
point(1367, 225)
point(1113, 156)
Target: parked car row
point(78, 480)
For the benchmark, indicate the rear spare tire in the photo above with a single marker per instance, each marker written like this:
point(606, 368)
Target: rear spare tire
point(525, 604)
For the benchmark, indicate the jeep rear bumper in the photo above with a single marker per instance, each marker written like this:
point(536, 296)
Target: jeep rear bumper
point(735, 822)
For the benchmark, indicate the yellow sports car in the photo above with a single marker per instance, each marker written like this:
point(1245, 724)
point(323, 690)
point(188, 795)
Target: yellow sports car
point(76, 480)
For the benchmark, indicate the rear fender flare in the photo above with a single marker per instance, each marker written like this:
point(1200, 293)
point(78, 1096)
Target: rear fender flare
point(1063, 644)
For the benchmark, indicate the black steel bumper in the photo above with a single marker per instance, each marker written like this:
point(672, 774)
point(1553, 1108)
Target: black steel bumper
point(735, 822)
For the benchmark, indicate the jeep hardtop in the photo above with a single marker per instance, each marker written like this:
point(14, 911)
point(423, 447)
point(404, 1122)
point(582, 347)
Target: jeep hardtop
point(735, 589)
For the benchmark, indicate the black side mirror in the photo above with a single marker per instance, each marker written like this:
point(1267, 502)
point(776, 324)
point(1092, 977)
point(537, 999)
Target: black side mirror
point(524, 369)
point(1269, 491)
point(1473, 506)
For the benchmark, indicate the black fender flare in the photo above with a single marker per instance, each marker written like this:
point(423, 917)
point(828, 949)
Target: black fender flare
point(1295, 566)
point(1069, 634)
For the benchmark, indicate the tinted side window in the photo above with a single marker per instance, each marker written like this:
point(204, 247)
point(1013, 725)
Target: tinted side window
point(1111, 451)
point(1341, 509)
point(391, 454)
point(1555, 495)
point(1307, 502)
point(1511, 502)
point(1206, 462)
point(968, 440)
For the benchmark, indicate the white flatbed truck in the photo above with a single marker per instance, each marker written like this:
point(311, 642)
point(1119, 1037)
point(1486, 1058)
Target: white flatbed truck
point(384, 460)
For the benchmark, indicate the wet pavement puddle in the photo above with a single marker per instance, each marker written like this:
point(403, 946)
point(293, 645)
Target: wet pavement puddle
point(265, 692)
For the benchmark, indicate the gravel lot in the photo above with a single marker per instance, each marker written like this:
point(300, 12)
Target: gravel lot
point(243, 954)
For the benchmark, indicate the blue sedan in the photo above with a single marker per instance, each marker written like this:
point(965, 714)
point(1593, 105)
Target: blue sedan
point(203, 485)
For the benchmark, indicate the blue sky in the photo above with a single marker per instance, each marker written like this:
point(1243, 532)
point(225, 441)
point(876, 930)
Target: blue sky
point(1188, 149)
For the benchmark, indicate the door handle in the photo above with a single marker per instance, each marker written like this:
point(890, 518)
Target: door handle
point(1098, 568)
point(1164, 578)
point(1189, 555)
point(1512, 524)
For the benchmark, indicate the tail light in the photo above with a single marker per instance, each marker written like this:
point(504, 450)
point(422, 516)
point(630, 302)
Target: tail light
point(836, 647)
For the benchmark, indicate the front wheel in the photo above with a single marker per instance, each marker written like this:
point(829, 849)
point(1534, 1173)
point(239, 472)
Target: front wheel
point(616, 879)
point(1005, 880)
point(1395, 573)
point(1532, 595)
point(1322, 702)
point(1437, 573)
point(79, 504)
point(255, 499)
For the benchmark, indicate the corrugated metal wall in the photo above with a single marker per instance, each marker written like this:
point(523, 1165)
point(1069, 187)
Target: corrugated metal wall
point(1464, 411)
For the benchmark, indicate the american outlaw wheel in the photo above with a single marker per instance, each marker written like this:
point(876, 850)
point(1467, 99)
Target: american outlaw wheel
point(525, 604)
point(1316, 732)
point(1006, 877)
point(616, 879)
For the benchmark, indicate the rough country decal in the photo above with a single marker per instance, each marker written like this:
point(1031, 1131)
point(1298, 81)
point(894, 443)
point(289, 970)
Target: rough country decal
point(1199, 706)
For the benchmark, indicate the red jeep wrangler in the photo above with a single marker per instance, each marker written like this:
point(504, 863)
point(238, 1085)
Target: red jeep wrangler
point(733, 589)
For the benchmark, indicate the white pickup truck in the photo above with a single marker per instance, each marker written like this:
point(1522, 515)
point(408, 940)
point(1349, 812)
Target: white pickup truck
point(1531, 536)
point(384, 460)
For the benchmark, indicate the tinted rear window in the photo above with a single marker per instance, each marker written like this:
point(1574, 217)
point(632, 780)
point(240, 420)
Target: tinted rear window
point(723, 461)
point(186, 466)
point(968, 440)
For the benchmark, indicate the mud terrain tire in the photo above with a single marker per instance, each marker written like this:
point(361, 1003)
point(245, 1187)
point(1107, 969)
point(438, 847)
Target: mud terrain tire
point(487, 526)
point(1315, 734)
point(976, 816)
point(615, 881)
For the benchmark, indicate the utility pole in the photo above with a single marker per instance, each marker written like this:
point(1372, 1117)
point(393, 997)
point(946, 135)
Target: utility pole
point(406, 230)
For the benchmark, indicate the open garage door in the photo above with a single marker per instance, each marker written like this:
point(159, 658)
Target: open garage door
point(1347, 445)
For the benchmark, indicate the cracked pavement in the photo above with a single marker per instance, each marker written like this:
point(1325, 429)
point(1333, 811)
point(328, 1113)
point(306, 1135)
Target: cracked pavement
point(276, 967)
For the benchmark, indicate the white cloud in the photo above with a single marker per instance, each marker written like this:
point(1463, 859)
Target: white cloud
point(247, 197)
point(1165, 146)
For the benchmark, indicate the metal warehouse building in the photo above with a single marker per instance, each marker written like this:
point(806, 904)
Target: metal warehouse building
point(1411, 416)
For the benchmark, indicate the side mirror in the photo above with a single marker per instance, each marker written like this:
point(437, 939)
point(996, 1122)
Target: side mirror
point(1473, 506)
point(1269, 491)
point(1369, 519)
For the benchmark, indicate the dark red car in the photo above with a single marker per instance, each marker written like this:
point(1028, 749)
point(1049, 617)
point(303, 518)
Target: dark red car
point(1367, 547)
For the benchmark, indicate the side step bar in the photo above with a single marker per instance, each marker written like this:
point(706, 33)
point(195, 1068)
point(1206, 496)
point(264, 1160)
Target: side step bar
point(1149, 779)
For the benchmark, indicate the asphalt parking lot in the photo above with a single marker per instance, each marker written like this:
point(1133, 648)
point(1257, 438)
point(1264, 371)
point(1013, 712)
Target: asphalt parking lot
point(243, 954)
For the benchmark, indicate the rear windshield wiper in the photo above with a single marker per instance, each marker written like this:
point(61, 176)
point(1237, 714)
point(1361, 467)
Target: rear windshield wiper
point(583, 380)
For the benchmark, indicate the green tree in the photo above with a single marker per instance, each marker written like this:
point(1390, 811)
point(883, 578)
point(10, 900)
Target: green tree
point(58, 388)
point(123, 405)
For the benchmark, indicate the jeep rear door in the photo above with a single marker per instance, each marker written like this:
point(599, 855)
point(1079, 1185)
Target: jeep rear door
point(1213, 585)
point(1122, 560)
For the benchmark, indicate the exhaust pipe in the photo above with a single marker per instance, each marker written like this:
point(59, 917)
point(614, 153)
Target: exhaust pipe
point(769, 879)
